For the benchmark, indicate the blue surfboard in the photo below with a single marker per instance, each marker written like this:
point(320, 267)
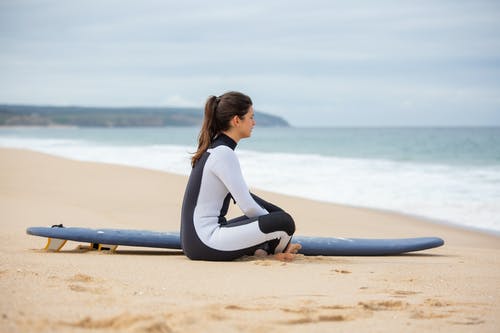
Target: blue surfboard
point(311, 246)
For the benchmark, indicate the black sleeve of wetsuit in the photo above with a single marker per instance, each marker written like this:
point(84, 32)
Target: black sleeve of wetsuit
point(266, 205)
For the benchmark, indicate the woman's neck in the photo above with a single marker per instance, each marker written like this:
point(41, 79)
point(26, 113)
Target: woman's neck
point(224, 139)
point(232, 135)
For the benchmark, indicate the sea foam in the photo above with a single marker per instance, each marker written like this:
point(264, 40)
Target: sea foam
point(464, 195)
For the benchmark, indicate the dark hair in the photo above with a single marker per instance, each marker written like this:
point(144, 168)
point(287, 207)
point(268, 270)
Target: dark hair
point(218, 113)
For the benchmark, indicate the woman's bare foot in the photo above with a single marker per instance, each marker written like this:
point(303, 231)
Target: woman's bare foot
point(293, 248)
point(260, 253)
point(289, 253)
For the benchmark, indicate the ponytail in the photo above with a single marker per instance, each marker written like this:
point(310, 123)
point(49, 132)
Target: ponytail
point(208, 129)
point(218, 112)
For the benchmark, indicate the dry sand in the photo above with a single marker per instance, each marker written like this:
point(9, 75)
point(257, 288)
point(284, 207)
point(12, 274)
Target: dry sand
point(455, 288)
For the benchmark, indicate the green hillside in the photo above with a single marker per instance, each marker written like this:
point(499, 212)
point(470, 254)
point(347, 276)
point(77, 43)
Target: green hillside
point(28, 115)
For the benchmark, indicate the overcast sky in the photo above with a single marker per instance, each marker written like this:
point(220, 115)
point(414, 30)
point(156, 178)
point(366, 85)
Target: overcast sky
point(315, 63)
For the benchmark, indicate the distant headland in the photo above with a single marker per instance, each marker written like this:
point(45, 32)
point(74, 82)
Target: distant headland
point(33, 115)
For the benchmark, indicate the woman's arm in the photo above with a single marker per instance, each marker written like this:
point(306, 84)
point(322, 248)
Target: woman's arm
point(227, 168)
point(265, 204)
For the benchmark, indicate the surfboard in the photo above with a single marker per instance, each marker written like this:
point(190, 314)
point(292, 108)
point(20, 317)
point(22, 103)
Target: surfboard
point(311, 246)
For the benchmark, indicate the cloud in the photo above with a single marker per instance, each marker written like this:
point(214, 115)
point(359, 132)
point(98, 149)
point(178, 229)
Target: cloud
point(176, 100)
point(338, 60)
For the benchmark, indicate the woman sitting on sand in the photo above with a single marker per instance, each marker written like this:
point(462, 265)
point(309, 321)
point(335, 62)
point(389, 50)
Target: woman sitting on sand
point(216, 178)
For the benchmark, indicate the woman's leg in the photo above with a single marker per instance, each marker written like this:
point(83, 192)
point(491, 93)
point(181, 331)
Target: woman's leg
point(266, 238)
point(271, 233)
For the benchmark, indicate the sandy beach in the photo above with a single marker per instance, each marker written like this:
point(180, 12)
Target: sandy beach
point(454, 288)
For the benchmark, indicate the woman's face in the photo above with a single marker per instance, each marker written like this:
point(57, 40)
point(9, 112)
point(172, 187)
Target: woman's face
point(247, 124)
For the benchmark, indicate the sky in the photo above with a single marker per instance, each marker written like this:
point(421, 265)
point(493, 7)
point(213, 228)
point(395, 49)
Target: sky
point(314, 63)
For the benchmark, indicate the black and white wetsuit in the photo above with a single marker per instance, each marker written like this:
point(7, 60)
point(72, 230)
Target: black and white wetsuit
point(205, 232)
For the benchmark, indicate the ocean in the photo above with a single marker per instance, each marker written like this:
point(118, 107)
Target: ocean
point(450, 175)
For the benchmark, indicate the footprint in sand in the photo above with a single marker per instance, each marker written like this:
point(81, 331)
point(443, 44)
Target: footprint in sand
point(81, 278)
point(423, 314)
point(404, 293)
point(469, 321)
point(316, 314)
point(437, 303)
point(317, 319)
point(92, 290)
point(80, 283)
point(126, 321)
point(441, 309)
point(324, 313)
point(383, 305)
point(341, 271)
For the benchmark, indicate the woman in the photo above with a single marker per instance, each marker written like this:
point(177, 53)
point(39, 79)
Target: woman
point(216, 178)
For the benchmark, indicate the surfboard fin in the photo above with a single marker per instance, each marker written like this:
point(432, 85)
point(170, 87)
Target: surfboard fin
point(103, 247)
point(54, 244)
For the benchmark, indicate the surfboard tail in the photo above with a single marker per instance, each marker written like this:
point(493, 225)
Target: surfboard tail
point(56, 245)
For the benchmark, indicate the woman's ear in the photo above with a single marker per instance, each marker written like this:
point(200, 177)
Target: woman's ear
point(235, 121)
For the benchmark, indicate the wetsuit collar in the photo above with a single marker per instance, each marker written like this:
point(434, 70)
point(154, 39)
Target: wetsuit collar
point(223, 139)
